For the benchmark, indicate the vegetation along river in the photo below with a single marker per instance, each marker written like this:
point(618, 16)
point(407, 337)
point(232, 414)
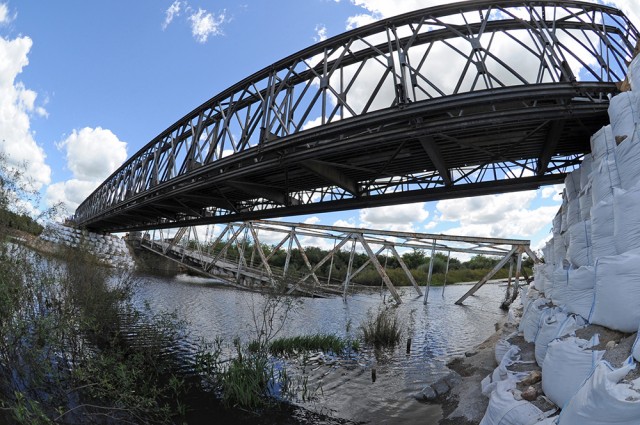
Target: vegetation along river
point(343, 387)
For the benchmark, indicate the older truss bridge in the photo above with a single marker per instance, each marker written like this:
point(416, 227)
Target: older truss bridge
point(464, 99)
point(238, 254)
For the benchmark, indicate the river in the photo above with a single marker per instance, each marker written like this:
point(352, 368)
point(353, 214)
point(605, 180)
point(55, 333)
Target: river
point(439, 330)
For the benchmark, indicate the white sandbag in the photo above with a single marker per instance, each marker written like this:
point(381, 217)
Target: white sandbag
point(569, 361)
point(578, 251)
point(617, 292)
point(624, 113)
point(603, 247)
point(585, 171)
point(603, 400)
point(504, 409)
point(626, 220)
point(635, 349)
point(564, 226)
point(557, 221)
point(604, 178)
point(573, 212)
point(502, 372)
point(540, 276)
point(628, 161)
point(585, 201)
point(547, 252)
point(572, 184)
point(558, 289)
point(502, 347)
point(530, 322)
point(554, 324)
point(601, 220)
point(580, 291)
point(559, 249)
point(633, 74)
point(602, 143)
point(603, 243)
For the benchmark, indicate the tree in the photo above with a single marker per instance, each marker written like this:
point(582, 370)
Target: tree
point(414, 259)
point(481, 262)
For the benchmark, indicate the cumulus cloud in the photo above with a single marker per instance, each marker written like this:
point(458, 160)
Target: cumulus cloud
point(205, 24)
point(17, 106)
point(172, 12)
point(312, 220)
point(321, 33)
point(4, 13)
point(554, 192)
point(508, 215)
point(396, 217)
point(92, 155)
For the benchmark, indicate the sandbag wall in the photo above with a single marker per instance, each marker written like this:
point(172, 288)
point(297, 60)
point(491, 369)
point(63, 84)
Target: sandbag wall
point(110, 249)
point(591, 276)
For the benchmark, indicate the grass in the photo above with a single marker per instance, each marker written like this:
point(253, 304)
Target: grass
point(305, 343)
point(383, 329)
point(245, 381)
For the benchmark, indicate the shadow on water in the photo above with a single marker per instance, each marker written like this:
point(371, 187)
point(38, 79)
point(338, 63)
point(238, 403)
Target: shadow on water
point(438, 330)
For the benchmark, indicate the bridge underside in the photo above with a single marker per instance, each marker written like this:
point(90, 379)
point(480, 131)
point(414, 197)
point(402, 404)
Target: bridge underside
point(465, 99)
point(474, 144)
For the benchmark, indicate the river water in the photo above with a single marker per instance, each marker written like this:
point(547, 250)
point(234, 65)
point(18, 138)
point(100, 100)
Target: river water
point(439, 331)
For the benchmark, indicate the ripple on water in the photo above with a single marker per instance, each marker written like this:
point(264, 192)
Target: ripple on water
point(439, 331)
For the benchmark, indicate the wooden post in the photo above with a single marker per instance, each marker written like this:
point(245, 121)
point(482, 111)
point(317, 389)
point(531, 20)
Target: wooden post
point(347, 278)
point(488, 276)
point(433, 252)
point(288, 259)
point(258, 248)
point(378, 267)
point(406, 269)
point(446, 272)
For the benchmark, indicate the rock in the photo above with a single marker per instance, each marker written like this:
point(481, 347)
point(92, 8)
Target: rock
point(529, 394)
point(470, 353)
point(427, 394)
point(453, 379)
point(533, 378)
point(611, 345)
point(441, 387)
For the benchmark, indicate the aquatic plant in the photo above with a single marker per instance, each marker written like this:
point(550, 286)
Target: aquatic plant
point(382, 329)
point(305, 343)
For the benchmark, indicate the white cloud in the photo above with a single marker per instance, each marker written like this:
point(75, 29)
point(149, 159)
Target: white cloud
point(360, 20)
point(17, 105)
point(554, 192)
point(4, 13)
point(92, 155)
point(204, 24)
point(345, 223)
point(312, 220)
point(321, 33)
point(171, 12)
point(396, 217)
point(506, 215)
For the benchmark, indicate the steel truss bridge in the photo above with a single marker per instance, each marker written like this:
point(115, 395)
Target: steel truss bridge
point(465, 99)
point(237, 253)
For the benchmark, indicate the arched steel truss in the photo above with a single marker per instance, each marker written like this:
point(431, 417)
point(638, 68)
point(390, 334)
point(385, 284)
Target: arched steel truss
point(464, 99)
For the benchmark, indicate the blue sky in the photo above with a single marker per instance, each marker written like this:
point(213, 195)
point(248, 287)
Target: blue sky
point(85, 84)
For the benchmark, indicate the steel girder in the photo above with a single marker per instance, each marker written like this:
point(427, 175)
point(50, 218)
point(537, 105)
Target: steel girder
point(464, 99)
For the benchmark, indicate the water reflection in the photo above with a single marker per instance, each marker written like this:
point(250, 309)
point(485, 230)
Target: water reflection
point(439, 330)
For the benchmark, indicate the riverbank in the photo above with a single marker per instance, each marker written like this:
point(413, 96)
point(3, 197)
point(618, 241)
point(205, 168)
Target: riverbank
point(459, 393)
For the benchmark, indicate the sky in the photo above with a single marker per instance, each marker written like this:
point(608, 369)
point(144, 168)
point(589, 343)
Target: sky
point(86, 84)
